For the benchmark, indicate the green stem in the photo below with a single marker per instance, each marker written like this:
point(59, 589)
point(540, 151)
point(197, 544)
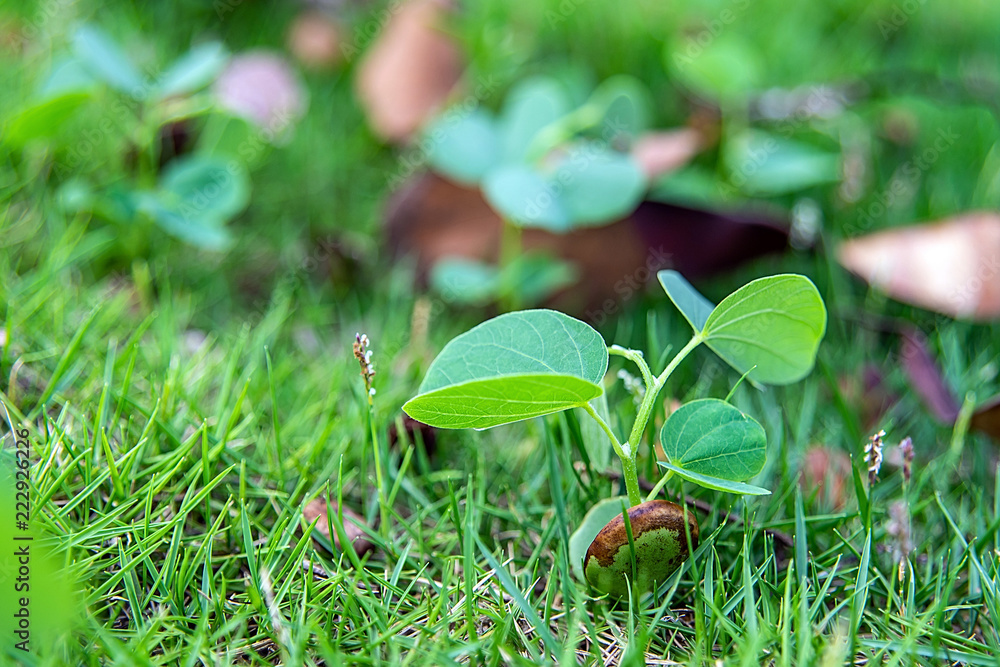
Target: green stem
point(631, 477)
point(629, 472)
point(510, 249)
point(636, 357)
point(383, 508)
point(659, 485)
point(562, 130)
point(510, 243)
point(646, 408)
point(627, 451)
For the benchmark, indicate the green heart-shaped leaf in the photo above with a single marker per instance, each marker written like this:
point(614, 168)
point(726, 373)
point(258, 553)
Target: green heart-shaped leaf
point(512, 367)
point(773, 325)
point(693, 306)
point(193, 71)
point(523, 196)
point(598, 185)
point(714, 440)
point(463, 146)
point(106, 61)
point(530, 106)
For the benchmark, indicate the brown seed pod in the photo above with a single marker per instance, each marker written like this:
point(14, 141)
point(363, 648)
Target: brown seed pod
point(660, 548)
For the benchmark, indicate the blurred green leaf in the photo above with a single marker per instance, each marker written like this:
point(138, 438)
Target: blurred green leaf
point(599, 185)
point(725, 68)
point(523, 196)
point(43, 119)
point(202, 232)
point(531, 105)
point(227, 137)
point(462, 280)
point(463, 146)
point(67, 75)
point(105, 60)
point(628, 106)
point(532, 277)
point(193, 71)
point(204, 187)
point(762, 164)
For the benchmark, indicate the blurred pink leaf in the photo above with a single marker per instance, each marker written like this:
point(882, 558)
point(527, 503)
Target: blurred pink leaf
point(951, 267)
point(925, 377)
point(661, 152)
point(262, 87)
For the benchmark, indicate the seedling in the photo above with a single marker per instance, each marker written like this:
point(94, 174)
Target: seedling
point(97, 107)
point(545, 161)
point(538, 362)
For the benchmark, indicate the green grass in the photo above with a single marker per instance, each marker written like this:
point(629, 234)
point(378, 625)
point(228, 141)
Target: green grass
point(171, 468)
point(184, 407)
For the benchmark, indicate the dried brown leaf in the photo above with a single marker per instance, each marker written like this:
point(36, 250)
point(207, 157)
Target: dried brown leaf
point(352, 522)
point(432, 218)
point(408, 73)
point(986, 418)
point(951, 267)
point(826, 471)
point(315, 40)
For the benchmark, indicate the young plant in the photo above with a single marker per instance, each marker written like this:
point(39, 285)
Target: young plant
point(97, 107)
point(537, 362)
point(545, 161)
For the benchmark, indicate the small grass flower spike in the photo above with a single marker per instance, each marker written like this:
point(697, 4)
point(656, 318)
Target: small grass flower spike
point(873, 456)
point(907, 449)
point(364, 357)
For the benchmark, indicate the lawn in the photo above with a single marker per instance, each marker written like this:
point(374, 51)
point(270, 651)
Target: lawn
point(183, 286)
